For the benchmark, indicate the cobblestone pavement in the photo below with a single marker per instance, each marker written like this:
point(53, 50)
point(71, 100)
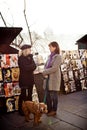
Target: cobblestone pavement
point(71, 115)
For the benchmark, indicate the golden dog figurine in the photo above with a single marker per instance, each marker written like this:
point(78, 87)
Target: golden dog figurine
point(37, 109)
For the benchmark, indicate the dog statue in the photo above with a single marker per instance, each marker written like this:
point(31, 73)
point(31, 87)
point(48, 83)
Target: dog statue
point(37, 109)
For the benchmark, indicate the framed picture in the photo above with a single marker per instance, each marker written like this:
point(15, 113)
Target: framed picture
point(65, 76)
point(70, 75)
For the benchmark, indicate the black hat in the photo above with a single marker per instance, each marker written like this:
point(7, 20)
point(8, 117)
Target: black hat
point(25, 46)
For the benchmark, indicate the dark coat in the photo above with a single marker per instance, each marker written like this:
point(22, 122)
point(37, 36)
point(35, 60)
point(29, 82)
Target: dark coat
point(26, 66)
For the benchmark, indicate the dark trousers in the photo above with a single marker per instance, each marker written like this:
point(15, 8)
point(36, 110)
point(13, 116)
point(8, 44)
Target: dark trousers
point(52, 100)
point(26, 94)
point(38, 79)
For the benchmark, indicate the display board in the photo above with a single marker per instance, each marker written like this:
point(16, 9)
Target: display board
point(74, 70)
point(9, 77)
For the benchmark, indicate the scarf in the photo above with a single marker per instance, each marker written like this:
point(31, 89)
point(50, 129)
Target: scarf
point(48, 65)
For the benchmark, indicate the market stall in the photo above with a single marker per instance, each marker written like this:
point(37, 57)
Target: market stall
point(9, 71)
point(74, 68)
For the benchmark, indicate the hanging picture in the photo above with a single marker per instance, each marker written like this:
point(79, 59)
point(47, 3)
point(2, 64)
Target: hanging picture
point(15, 74)
point(83, 84)
point(10, 104)
point(14, 60)
point(67, 87)
point(16, 88)
point(75, 54)
point(72, 86)
point(1, 78)
point(2, 93)
point(85, 72)
point(64, 67)
point(6, 75)
point(84, 62)
point(81, 73)
point(8, 88)
point(76, 74)
point(74, 65)
point(5, 60)
point(65, 76)
point(79, 64)
point(70, 74)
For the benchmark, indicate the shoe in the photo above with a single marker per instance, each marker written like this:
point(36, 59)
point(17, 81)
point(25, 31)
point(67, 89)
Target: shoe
point(52, 113)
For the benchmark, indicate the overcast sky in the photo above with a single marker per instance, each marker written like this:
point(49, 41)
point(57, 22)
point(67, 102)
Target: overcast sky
point(66, 18)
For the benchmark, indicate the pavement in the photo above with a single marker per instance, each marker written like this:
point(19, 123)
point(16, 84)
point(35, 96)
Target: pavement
point(71, 115)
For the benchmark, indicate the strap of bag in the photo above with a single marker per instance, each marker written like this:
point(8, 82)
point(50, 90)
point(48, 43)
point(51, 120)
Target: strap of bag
point(47, 85)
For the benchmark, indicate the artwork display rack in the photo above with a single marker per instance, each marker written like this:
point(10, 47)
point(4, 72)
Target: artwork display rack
point(74, 70)
point(9, 86)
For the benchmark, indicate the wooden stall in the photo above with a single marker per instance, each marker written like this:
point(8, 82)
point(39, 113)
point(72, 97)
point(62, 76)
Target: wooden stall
point(9, 71)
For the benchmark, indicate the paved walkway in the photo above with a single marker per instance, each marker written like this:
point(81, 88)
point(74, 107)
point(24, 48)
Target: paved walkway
point(71, 115)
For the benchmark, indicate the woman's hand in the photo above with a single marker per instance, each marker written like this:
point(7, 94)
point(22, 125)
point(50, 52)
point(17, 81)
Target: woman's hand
point(46, 76)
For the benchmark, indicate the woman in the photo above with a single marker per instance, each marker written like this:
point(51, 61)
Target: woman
point(52, 78)
point(26, 77)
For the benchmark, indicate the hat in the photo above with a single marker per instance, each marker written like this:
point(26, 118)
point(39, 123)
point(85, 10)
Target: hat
point(25, 47)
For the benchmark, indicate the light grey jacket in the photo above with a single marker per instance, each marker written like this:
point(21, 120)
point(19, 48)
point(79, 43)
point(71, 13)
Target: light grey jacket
point(54, 73)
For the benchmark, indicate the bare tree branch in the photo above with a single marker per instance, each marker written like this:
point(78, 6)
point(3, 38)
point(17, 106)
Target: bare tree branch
point(27, 22)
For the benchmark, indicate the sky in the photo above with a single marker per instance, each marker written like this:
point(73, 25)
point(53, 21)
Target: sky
point(66, 18)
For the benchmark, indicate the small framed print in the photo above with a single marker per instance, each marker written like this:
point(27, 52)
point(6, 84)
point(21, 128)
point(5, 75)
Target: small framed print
point(72, 86)
point(10, 104)
point(70, 75)
point(15, 74)
point(81, 73)
point(64, 67)
point(76, 74)
point(65, 76)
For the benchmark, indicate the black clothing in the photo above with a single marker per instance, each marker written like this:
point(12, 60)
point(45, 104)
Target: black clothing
point(27, 66)
point(26, 78)
point(26, 94)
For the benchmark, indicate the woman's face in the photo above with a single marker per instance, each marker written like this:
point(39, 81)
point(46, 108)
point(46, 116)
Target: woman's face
point(26, 51)
point(51, 48)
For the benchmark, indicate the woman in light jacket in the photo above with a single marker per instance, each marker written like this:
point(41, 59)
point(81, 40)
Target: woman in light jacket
point(52, 78)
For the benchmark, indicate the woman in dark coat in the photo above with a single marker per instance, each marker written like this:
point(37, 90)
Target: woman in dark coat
point(26, 76)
